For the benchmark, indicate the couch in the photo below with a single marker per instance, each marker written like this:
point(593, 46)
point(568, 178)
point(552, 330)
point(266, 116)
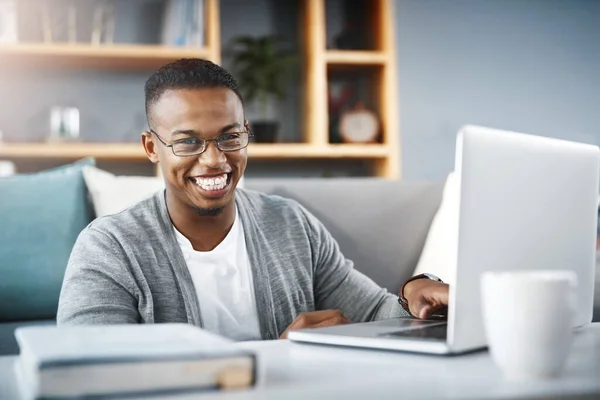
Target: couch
point(380, 225)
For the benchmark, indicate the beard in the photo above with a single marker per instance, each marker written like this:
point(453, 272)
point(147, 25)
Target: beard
point(209, 212)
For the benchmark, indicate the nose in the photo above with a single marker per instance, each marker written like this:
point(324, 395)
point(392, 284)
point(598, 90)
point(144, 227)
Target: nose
point(212, 156)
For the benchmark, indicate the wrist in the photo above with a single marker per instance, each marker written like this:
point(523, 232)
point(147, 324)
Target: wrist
point(409, 285)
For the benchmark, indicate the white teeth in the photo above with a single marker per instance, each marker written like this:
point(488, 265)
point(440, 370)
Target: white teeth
point(217, 183)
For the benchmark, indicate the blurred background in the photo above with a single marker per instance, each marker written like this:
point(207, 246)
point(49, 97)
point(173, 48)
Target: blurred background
point(339, 87)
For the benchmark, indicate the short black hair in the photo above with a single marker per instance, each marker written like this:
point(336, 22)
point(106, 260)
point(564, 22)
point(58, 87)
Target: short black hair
point(187, 73)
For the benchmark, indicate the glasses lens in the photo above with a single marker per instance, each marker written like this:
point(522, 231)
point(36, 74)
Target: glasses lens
point(188, 147)
point(233, 141)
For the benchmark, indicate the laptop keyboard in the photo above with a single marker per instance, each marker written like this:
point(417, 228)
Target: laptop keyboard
point(431, 332)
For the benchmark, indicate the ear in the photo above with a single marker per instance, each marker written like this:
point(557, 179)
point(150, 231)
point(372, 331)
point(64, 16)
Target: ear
point(149, 147)
point(246, 125)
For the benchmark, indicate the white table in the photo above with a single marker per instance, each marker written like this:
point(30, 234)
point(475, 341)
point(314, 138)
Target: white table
point(296, 371)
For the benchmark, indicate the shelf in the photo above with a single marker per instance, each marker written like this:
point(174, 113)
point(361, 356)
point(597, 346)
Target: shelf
point(301, 150)
point(105, 151)
point(135, 152)
point(85, 55)
point(351, 57)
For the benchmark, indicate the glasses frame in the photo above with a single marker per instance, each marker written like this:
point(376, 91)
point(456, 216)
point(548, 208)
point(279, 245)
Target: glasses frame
point(248, 132)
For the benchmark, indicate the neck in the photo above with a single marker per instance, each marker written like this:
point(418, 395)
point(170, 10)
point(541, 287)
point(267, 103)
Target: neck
point(204, 232)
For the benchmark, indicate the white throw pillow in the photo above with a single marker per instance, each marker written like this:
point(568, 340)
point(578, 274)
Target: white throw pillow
point(441, 245)
point(7, 169)
point(112, 194)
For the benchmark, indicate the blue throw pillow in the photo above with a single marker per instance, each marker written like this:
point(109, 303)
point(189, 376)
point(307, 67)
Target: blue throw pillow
point(40, 217)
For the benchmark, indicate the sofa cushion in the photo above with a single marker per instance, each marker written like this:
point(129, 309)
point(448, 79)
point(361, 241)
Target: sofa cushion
point(439, 253)
point(41, 215)
point(112, 194)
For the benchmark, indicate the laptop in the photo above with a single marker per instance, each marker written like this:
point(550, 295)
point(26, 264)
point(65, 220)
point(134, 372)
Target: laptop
point(526, 202)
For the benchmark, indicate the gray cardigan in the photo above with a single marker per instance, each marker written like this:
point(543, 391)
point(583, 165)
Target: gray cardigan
point(128, 268)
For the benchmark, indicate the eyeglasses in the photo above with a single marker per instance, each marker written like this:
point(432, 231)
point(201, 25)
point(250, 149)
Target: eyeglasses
point(194, 146)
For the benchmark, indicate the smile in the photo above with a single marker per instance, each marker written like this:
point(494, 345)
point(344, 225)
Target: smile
point(211, 184)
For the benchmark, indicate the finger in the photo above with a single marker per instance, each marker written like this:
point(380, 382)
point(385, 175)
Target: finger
point(440, 296)
point(438, 312)
point(311, 318)
point(315, 317)
point(330, 322)
point(416, 306)
point(424, 312)
point(343, 320)
point(338, 320)
point(432, 301)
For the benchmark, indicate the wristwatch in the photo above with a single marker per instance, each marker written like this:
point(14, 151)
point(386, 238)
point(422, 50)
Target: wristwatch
point(402, 300)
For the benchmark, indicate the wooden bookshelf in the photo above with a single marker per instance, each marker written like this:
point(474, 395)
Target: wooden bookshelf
point(308, 151)
point(113, 56)
point(117, 56)
point(135, 152)
point(72, 151)
point(350, 57)
point(317, 59)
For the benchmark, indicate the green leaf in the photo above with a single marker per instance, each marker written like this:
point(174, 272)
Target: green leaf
point(260, 66)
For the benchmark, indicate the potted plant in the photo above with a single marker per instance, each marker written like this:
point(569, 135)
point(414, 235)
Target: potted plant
point(261, 69)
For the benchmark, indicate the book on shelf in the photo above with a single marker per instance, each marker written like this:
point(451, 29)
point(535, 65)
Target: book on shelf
point(122, 360)
point(183, 23)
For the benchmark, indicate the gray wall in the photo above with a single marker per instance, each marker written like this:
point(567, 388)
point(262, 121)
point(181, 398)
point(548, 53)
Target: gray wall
point(524, 65)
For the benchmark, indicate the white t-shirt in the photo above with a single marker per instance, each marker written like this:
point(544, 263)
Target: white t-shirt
point(223, 281)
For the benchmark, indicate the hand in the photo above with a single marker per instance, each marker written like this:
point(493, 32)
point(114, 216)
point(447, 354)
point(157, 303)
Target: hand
point(316, 319)
point(426, 297)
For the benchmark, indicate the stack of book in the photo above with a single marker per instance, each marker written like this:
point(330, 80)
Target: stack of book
point(123, 360)
point(183, 23)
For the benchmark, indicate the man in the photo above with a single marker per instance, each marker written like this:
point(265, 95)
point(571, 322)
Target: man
point(236, 262)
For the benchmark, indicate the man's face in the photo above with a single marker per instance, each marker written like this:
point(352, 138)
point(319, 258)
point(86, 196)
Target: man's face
point(207, 181)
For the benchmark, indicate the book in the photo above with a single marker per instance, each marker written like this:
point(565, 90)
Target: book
point(121, 360)
point(183, 23)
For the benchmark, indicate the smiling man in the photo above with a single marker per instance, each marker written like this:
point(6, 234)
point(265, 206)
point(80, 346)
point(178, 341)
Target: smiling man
point(235, 262)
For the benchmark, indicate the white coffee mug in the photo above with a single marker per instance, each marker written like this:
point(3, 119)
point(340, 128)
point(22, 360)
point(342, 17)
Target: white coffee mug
point(529, 317)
